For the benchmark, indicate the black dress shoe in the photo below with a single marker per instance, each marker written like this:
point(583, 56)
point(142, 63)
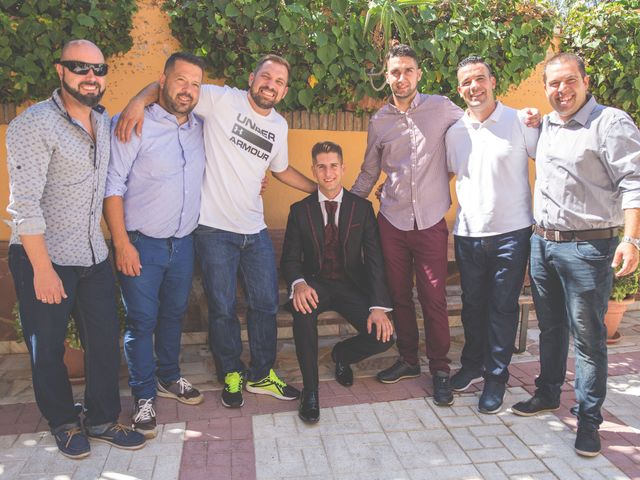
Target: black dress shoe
point(344, 374)
point(492, 396)
point(309, 410)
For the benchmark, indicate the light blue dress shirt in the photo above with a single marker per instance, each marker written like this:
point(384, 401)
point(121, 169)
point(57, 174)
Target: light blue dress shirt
point(159, 174)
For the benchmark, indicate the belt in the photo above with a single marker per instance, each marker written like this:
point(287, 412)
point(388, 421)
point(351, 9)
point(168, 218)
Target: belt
point(575, 235)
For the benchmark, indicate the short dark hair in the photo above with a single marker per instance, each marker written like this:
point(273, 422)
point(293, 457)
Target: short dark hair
point(473, 60)
point(325, 147)
point(401, 50)
point(565, 57)
point(185, 57)
point(272, 57)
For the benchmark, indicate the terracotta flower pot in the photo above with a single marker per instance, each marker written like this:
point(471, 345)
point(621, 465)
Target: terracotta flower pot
point(74, 361)
point(613, 317)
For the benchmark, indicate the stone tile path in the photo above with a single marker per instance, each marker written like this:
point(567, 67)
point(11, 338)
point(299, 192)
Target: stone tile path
point(35, 456)
point(369, 431)
point(414, 439)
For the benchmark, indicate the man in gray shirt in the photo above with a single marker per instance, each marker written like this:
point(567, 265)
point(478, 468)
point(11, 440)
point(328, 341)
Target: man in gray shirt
point(587, 175)
point(58, 152)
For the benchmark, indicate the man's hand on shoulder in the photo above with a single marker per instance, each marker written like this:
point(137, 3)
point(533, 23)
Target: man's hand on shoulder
point(131, 117)
point(627, 257)
point(305, 298)
point(384, 327)
point(128, 259)
point(532, 117)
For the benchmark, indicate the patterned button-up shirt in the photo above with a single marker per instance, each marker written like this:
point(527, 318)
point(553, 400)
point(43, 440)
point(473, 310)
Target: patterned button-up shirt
point(409, 148)
point(587, 169)
point(57, 177)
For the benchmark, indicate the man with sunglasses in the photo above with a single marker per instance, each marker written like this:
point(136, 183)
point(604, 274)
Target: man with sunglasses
point(58, 152)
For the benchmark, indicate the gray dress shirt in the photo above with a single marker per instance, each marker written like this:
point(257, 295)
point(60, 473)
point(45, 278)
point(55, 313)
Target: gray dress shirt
point(409, 148)
point(57, 176)
point(587, 169)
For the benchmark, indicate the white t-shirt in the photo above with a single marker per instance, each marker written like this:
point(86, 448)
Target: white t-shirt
point(240, 145)
point(490, 161)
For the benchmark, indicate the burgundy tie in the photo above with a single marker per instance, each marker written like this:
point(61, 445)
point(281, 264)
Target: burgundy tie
point(330, 229)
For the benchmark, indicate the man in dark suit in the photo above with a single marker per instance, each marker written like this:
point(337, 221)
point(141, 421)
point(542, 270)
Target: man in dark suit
point(332, 260)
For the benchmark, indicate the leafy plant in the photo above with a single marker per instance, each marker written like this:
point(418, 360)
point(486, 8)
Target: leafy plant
point(607, 36)
point(73, 335)
point(32, 34)
point(330, 51)
point(626, 286)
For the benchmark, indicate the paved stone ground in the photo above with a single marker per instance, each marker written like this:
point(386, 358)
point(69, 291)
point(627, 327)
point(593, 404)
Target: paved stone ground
point(369, 431)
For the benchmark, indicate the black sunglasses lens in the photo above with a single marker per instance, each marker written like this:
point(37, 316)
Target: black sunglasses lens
point(80, 68)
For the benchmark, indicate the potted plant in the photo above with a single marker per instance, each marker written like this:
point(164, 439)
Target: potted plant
point(622, 295)
point(73, 353)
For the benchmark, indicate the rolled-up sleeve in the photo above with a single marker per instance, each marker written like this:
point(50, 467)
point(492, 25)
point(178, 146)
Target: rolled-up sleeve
point(621, 149)
point(371, 167)
point(28, 157)
point(121, 160)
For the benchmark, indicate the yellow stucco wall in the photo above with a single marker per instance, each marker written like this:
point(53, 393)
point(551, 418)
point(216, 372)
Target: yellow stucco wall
point(153, 43)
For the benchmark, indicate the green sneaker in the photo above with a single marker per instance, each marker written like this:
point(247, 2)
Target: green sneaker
point(272, 385)
point(232, 393)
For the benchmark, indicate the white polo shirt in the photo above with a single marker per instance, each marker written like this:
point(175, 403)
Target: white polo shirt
point(240, 145)
point(490, 161)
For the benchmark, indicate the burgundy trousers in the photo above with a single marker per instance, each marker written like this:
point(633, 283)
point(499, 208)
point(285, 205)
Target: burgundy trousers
point(425, 252)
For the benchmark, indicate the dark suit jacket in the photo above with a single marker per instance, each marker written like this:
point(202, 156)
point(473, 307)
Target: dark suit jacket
point(302, 251)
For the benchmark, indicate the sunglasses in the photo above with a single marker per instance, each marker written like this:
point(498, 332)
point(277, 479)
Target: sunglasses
point(82, 68)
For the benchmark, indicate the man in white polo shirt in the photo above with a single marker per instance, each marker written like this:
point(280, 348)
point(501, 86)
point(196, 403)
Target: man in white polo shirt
point(488, 151)
point(243, 137)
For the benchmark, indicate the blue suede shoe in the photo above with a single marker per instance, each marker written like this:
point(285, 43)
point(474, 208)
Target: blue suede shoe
point(119, 436)
point(72, 443)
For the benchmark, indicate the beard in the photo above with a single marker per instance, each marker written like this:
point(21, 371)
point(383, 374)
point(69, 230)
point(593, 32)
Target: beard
point(260, 101)
point(90, 100)
point(408, 94)
point(173, 107)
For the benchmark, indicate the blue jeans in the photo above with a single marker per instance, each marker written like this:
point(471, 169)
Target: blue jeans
point(156, 302)
point(91, 299)
point(223, 255)
point(571, 284)
point(491, 275)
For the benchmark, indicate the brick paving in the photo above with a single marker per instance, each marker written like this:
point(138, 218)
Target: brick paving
point(369, 431)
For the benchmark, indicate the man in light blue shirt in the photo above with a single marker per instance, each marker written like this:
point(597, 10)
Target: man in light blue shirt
point(152, 206)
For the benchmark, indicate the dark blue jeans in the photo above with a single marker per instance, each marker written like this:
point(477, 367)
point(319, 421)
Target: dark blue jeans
point(491, 275)
point(571, 284)
point(223, 255)
point(155, 302)
point(92, 302)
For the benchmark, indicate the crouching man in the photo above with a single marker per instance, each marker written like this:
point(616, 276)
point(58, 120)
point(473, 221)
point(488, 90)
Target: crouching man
point(332, 260)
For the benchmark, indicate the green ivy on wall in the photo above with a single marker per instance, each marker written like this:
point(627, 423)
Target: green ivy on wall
point(330, 55)
point(32, 33)
point(607, 36)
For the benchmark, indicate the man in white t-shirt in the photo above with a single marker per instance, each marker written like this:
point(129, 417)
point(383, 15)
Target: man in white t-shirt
point(243, 137)
point(488, 151)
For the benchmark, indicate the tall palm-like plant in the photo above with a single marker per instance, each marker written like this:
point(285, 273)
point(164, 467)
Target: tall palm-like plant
point(383, 19)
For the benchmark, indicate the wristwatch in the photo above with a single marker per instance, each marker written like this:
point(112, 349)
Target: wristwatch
point(631, 240)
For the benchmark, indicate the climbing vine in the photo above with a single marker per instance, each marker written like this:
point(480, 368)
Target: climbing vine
point(607, 36)
point(330, 53)
point(32, 33)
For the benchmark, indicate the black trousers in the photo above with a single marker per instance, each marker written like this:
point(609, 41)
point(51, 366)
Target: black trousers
point(92, 302)
point(344, 298)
